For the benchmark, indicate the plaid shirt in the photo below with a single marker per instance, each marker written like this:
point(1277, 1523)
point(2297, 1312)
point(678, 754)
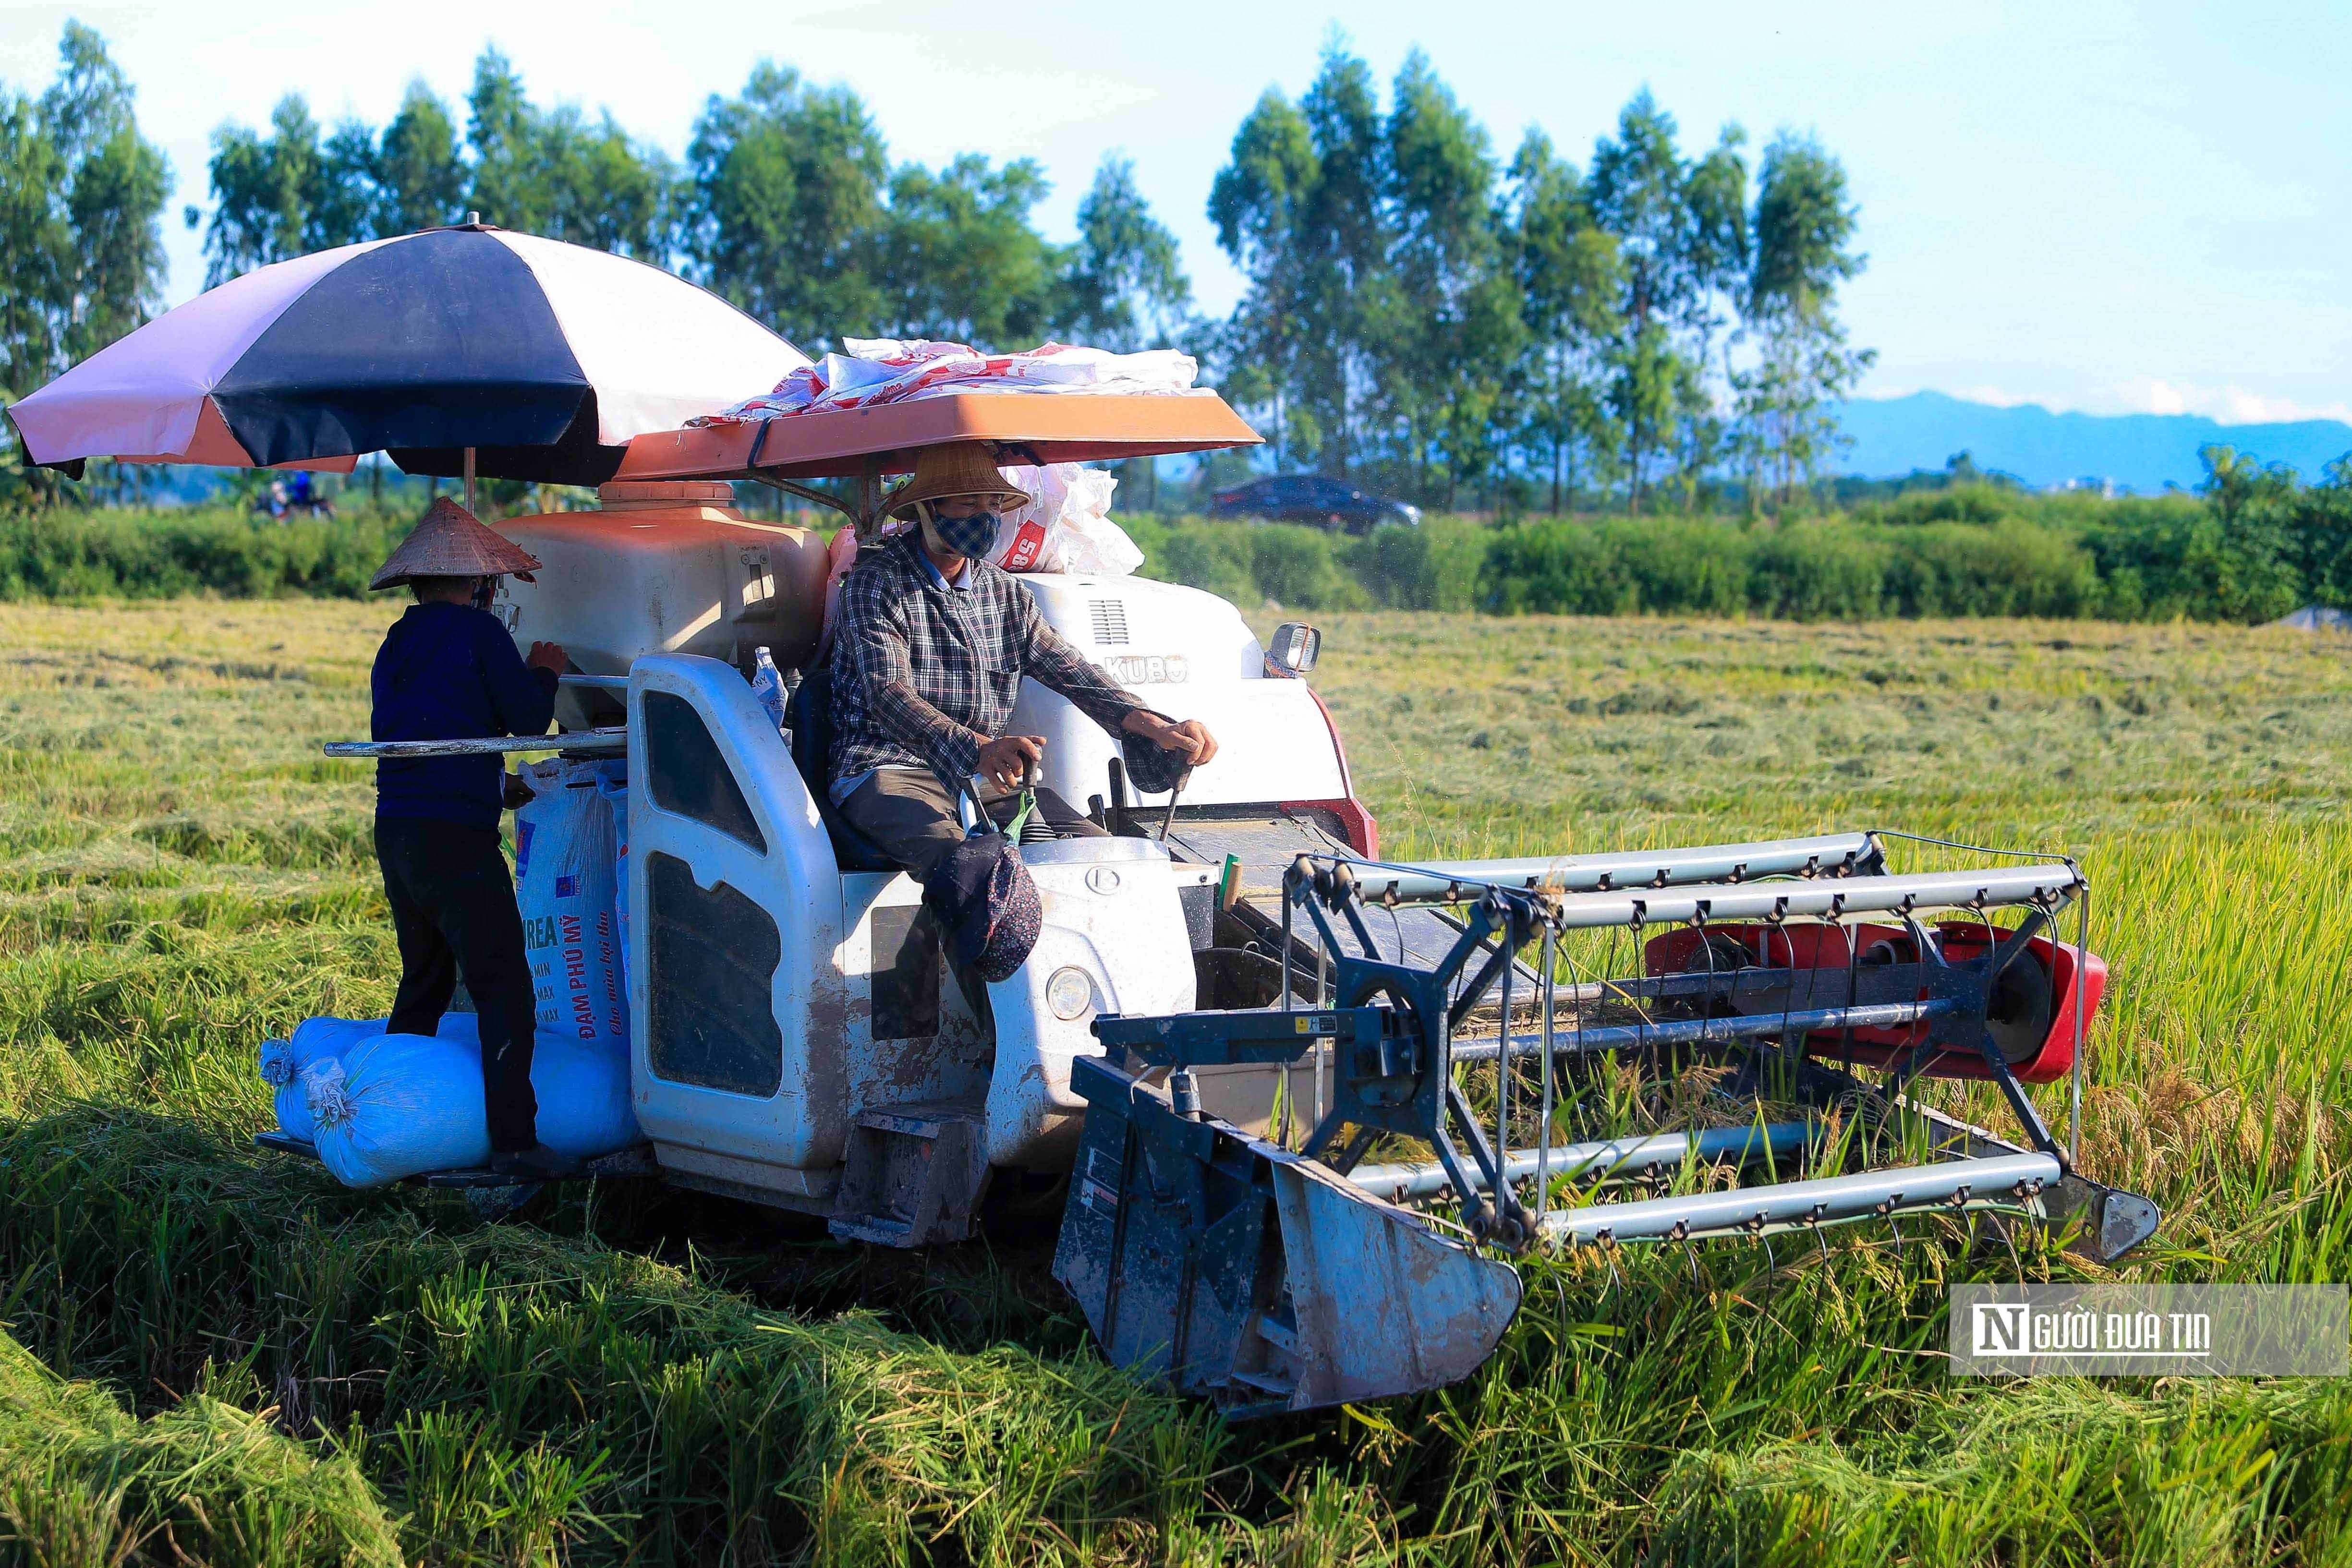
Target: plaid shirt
point(922, 673)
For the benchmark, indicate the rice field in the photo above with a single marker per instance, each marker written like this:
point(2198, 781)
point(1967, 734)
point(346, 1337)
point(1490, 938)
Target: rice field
point(214, 1356)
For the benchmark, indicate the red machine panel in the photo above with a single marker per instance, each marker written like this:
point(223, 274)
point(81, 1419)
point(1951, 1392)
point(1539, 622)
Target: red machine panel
point(2031, 1016)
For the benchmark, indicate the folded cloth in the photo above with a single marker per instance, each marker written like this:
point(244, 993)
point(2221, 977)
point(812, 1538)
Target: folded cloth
point(985, 900)
point(877, 370)
point(1151, 768)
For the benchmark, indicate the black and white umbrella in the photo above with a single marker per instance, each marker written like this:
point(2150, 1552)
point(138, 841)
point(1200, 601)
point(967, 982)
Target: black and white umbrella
point(539, 359)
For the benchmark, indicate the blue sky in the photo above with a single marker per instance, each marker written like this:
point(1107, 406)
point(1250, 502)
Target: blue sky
point(2090, 205)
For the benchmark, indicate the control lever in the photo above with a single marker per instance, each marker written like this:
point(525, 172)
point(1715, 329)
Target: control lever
point(1027, 825)
point(1117, 820)
point(1168, 820)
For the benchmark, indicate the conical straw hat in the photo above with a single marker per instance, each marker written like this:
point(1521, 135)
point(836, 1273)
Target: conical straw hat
point(954, 468)
point(449, 542)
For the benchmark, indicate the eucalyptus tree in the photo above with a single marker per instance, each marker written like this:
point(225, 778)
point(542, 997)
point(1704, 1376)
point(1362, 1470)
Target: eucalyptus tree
point(1126, 289)
point(961, 259)
point(115, 184)
point(553, 172)
point(558, 173)
point(788, 205)
point(1347, 295)
point(36, 243)
point(1637, 191)
point(1804, 230)
point(1681, 229)
point(420, 179)
point(1571, 278)
point(1446, 356)
point(1260, 202)
point(81, 196)
point(1715, 266)
point(261, 189)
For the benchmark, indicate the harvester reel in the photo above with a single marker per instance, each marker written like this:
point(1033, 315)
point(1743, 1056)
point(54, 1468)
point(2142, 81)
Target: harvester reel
point(1269, 1278)
point(2019, 1011)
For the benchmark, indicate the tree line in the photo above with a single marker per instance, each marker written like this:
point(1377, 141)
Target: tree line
point(1418, 313)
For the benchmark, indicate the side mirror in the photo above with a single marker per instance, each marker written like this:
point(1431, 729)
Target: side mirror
point(1294, 648)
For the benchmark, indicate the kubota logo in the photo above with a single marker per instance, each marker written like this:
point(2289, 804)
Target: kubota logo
point(1149, 669)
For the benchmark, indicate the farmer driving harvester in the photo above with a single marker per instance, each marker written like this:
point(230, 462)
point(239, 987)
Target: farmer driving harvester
point(933, 644)
point(448, 670)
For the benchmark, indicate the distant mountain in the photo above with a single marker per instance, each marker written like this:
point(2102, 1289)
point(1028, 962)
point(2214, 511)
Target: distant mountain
point(1896, 436)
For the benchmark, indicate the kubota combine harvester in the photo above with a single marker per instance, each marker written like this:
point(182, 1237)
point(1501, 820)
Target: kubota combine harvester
point(1309, 1103)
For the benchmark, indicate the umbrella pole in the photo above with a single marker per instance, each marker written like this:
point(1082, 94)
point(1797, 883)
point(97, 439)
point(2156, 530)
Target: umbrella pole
point(470, 483)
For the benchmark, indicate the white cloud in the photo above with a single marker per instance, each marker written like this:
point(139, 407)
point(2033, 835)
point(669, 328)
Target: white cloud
point(2225, 404)
point(1997, 396)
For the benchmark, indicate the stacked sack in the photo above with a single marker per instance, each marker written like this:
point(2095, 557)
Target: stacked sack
point(565, 863)
point(1065, 526)
point(398, 1105)
point(614, 785)
point(379, 1107)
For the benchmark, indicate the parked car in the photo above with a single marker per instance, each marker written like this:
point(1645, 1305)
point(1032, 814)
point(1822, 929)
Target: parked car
point(1312, 499)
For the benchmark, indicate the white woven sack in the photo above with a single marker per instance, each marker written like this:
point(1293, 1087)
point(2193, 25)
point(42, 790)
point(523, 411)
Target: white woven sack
point(329, 1040)
point(1067, 525)
point(583, 1099)
point(403, 1104)
point(563, 875)
point(398, 1105)
point(616, 795)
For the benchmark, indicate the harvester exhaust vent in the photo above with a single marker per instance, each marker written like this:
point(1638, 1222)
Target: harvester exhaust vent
point(1109, 619)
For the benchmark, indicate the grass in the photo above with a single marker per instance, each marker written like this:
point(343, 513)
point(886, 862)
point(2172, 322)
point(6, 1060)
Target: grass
point(227, 1359)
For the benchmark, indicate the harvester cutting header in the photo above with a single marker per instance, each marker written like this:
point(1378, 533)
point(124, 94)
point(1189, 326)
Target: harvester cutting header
point(1308, 1103)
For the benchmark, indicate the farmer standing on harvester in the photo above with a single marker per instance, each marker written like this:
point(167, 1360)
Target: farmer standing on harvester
point(448, 671)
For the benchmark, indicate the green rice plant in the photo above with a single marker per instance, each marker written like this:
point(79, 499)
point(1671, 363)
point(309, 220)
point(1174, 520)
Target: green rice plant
point(525, 1395)
point(653, 1377)
point(2058, 1472)
point(82, 1480)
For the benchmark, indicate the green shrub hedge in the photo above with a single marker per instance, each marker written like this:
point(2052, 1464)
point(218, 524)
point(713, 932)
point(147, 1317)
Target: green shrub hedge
point(1823, 570)
point(1956, 553)
point(2152, 560)
point(64, 553)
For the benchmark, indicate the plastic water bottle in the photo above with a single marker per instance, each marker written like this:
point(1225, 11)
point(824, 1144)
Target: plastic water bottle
point(767, 686)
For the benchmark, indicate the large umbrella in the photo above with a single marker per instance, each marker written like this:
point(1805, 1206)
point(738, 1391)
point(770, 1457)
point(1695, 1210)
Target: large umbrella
point(533, 358)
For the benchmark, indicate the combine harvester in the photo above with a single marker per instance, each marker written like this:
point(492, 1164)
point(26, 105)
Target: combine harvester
point(1291, 1086)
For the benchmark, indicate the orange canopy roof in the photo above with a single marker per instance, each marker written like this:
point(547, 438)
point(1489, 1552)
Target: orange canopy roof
point(1066, 427)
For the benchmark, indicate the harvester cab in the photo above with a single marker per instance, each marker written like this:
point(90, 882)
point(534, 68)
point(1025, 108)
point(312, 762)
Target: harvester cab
point(1308, 1103)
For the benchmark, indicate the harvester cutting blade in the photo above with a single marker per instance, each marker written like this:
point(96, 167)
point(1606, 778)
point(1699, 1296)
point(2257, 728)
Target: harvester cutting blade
point(1252, 1276)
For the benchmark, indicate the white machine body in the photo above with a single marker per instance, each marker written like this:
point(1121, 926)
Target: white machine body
point(1188, 655)
point(661, 568)
point(786, 1014)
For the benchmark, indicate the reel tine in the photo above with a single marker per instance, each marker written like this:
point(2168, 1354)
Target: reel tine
point(1543, 1126)
point(1509, 939)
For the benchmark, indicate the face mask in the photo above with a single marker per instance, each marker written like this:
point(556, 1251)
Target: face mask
point(973, 535)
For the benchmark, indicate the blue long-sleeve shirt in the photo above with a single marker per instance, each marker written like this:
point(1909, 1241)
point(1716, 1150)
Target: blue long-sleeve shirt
point(449, 671)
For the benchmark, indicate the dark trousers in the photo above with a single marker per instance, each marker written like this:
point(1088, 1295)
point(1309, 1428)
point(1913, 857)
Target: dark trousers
point(912, 817)
point(453, 914)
